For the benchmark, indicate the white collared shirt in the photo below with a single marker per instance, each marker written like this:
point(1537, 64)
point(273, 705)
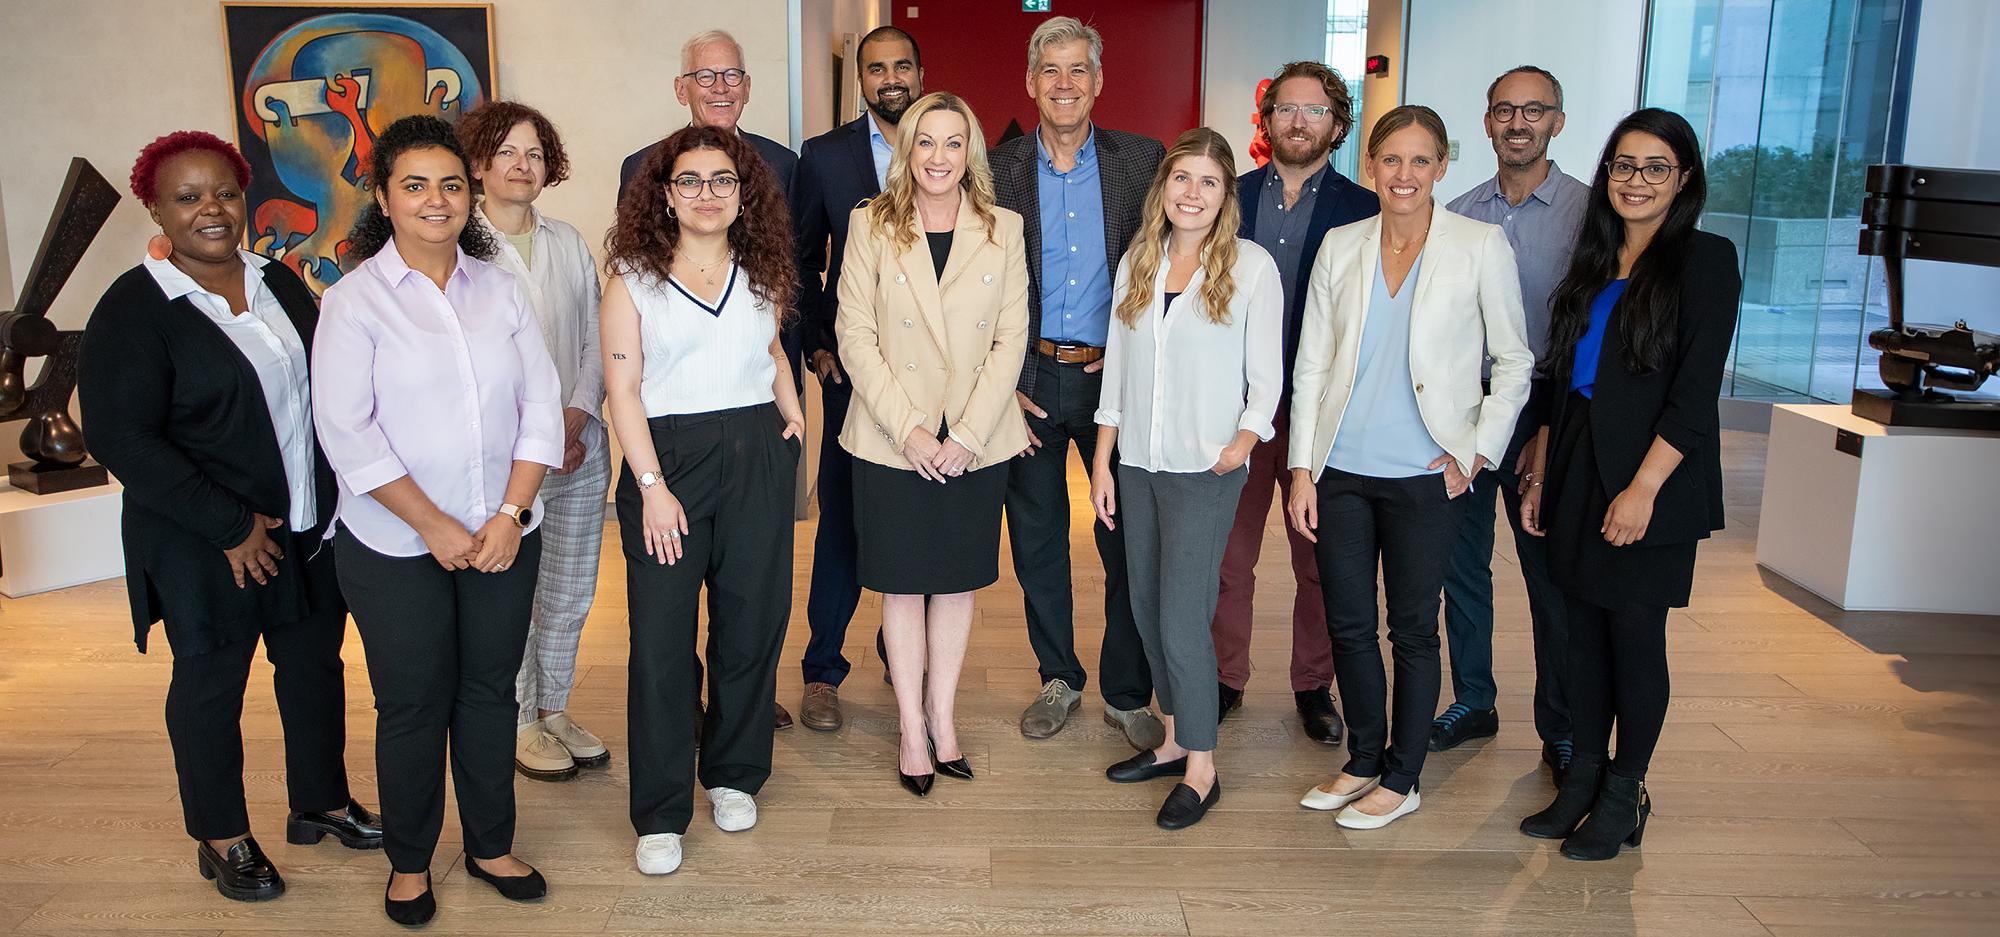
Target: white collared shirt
point(268, 340)
point(563, 291)
point(1177, 386)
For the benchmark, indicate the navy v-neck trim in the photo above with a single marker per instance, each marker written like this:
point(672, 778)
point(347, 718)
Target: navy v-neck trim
point(715, 310)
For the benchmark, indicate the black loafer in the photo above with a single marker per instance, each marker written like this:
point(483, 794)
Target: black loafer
point(242, 872)
point(1226, 699)
point(1322, 723)
point(416, 912)
point(359, 829)
point(529, 887)
point(1184, 808)
point(1141, 767)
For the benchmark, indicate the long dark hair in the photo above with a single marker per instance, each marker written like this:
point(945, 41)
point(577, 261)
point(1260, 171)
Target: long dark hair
point(1650, 308)
point(372, 230)
point(647, 234)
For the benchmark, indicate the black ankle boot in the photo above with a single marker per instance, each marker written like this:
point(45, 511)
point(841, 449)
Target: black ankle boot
point(1618, 817)
point(1573, 800)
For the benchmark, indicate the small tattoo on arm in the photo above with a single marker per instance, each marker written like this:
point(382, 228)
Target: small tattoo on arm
point(617, 357)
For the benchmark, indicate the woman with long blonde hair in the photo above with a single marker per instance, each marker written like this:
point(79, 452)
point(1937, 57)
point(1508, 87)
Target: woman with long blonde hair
point(933, 326)
point(1193, 368)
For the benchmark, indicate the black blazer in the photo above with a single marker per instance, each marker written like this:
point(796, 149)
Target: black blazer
point(778, 156)
point(1125, 166)
point(836, 172)
point(1677, 402)
point(173, 409)
point(1339, 202)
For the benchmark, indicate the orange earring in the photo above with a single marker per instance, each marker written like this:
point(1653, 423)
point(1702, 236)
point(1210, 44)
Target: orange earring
point(160, 247)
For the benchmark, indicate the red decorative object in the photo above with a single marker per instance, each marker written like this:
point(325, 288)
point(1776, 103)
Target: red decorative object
point(1260, 145)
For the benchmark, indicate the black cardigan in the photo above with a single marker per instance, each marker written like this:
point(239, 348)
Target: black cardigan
point(177, 413)
point(1676, 402)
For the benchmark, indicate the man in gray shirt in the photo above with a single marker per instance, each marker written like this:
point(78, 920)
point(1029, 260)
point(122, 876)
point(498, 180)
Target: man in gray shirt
point(1540, 208)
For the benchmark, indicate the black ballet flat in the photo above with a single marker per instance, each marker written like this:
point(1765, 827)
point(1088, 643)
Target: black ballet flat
point(956, 768)
point(529, 887)
point(918, 784)
point(416, 912)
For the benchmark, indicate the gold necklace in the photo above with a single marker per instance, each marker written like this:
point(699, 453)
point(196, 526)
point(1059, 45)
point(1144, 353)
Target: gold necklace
point(703, 269)
point(1398, 251)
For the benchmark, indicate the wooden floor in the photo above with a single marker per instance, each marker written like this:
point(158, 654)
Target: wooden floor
point(1821, 774)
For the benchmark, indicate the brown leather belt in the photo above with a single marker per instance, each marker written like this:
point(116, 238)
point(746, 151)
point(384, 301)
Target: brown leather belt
point(1070, 354)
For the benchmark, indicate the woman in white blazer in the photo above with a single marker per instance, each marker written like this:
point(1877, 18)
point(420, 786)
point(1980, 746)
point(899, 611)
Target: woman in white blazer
point(1192, 372)
point(1389, 426)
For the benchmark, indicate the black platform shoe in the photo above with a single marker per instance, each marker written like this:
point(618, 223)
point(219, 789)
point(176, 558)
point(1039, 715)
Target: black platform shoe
point(414, 912)
point(1618, 818)
point(1573, 799)
point(529, 887)
point(1142, 767)
point(359, 829)
point(242, 872)
point(1183, 808)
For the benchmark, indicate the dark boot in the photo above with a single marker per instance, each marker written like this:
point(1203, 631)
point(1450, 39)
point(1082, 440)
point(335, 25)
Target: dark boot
point(1573, 800)
point(1618, 817)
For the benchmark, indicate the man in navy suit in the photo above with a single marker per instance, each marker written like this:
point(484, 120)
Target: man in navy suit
point(836, 171)
point(1288, 206)
point(716, 88)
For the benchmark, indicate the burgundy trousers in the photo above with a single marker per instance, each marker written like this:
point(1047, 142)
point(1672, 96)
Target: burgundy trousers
point(1312, 650)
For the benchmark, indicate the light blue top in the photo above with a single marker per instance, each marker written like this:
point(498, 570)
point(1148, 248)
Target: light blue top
point(1076, 276)
point(880, 148)
point(1382, 433)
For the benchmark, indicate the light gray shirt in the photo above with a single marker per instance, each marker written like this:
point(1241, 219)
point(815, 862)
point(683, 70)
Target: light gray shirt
point(1542, 230)
point(560, 281)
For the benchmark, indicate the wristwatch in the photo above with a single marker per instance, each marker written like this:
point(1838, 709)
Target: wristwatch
point(523, 516)
point(648, 480)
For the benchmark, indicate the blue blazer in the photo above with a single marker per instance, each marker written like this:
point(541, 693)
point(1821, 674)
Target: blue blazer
point(836, 172)
point(1340, 202)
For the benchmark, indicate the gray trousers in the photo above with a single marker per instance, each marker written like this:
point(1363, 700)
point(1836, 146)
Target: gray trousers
point(1176, 527)
point(572, 535)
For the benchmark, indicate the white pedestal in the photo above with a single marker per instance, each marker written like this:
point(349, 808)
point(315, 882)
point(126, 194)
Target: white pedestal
point(59, 540)
point(1907, 525)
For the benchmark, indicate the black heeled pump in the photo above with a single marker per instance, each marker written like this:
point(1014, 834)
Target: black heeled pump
point(957, 768)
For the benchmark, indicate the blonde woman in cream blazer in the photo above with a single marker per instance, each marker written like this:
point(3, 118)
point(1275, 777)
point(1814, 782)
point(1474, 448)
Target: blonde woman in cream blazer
point(1389, 426)
point(933, 326)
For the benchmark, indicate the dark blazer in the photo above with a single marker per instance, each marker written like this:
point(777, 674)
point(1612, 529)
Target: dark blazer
point(1677, 402)
point(836, 172)
point(1339, 202)
point(1125, 166)
point(778, 156)
point(173, 409)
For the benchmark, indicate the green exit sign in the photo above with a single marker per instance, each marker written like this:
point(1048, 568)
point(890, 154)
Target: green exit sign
point(1034, 6)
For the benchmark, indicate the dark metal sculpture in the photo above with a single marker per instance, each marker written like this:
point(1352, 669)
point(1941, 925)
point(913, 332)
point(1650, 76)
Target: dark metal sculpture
point(1950, 215)
point(51, 441)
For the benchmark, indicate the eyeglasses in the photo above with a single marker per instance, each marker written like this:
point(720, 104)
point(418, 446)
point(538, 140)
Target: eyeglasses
point(706, 77)
point(689, 187)
point(1653, 173)
point(1532, 112)
point(1313, 113)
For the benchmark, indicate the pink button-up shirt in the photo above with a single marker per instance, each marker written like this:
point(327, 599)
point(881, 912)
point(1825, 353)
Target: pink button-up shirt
point(449, 387)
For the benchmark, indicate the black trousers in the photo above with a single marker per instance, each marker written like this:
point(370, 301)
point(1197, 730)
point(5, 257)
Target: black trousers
point(734, 476)
point(1038, 509)
point(443, 649)
point(1408, 524)
point(1618, 675)
point(205, 714)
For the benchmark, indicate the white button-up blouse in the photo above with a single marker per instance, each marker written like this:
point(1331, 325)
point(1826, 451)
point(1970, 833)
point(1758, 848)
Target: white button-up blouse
point(449, 387)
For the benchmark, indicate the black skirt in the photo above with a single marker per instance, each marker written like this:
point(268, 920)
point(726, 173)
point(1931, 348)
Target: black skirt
point(1581, 563)
point(917, 537)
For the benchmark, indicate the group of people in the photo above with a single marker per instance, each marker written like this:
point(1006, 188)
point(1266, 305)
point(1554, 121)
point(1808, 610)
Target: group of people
point(1388, 363)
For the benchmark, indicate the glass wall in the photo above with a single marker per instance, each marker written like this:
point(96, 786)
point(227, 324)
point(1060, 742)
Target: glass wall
point(1793, 100)
point(1347, 53)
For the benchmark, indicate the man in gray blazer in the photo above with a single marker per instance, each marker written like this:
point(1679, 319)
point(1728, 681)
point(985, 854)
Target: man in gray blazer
point(1079, 188)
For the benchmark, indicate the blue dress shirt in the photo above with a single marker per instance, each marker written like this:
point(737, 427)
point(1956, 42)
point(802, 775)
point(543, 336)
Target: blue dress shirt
point(1583, 373)
point(1382, 434)
point(1076, 276)
point(879, 147)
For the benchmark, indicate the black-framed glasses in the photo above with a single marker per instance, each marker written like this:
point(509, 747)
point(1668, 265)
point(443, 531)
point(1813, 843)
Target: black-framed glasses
point(1313, 113)
point(706, 77)
point(689, 187)
point(1653, 173)
point(1532, 112)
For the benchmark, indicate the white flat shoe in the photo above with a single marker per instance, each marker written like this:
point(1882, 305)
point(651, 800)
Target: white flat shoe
point(659, 853)
point(734, 810)
point(1356, 820)
point(1319, 798)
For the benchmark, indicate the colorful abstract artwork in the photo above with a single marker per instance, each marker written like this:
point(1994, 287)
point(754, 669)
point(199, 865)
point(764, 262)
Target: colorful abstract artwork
point(314, 85)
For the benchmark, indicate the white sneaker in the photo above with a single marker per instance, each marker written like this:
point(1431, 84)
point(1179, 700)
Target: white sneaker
point(659, 853)
point(1323, 797)
point(735, 811)
point(586, 749)
point(1356, 820)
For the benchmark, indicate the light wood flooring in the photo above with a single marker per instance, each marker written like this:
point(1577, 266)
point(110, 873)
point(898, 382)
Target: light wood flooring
point(1822, 774)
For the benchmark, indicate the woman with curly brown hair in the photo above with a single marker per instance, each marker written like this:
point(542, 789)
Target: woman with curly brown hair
point(705, 409)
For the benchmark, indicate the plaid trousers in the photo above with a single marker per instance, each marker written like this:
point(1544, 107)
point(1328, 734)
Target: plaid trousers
point(572, 531)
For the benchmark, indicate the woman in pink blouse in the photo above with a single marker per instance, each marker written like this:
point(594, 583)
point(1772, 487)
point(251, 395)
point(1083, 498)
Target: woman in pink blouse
point(438, 408)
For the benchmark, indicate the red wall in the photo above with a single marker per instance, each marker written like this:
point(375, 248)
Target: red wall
point(978, 50)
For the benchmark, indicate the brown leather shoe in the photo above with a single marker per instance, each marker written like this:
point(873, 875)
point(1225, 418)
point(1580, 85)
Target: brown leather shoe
point(821, 709)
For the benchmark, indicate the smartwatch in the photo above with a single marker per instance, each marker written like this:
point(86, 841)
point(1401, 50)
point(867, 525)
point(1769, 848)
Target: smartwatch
point(523, 516)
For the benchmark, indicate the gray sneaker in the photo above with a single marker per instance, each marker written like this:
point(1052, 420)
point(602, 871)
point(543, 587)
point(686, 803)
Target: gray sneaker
point(1143, 730)
point(1050, 710)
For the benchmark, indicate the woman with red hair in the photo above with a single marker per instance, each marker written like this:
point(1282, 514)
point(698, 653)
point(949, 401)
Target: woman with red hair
point(194, 388)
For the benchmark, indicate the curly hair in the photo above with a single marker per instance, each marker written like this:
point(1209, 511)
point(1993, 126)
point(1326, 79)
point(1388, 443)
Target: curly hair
point(373, 231)
point(483, 131)
point(1330, 84)
point(146, 170)
point(1218, 250)
point(647, 232)
point(894, 212)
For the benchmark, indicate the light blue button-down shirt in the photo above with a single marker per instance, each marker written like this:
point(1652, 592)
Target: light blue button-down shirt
point(880, 148)
point(1076, 275)
point(1542, 230)
point(1382, 434)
